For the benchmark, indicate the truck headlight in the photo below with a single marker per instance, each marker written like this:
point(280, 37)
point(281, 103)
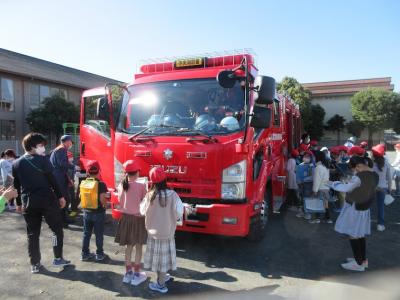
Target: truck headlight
point(118, 172)
point(234, 181)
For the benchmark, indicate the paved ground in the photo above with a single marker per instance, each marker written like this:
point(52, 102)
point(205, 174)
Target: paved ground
point(295, 260)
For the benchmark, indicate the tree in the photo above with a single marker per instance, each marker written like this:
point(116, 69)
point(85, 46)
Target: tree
point(310, 114)
point(375, 108)
point(355, 128)
point(336, 124)
point(53, 112)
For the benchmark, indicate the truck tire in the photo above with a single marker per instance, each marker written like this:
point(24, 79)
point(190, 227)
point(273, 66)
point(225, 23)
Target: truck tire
point(259, 222)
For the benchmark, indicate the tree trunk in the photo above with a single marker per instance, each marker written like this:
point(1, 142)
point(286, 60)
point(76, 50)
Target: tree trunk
point(370, 132)
point(338, 137)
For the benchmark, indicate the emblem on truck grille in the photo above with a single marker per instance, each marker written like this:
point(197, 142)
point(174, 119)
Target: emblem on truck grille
point(168, 154)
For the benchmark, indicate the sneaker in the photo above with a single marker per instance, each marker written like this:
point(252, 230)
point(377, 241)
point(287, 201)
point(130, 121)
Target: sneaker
point(364, 264)
point(127, 277)
point(314, 221)
point(87, 256)
point(35, 268)
point(328, 221)
point(154, 286)
point(293, 208)
point(138, 278)
point(73, 214)
point(307, 216)
point(100, 257)
point(11, 207)
point(61, 262)
point(353, 266)
point(380, 227)
point(168, 277)
point(300, 214)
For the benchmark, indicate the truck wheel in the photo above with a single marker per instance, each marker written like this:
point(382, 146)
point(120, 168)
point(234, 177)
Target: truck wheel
point(259, 222)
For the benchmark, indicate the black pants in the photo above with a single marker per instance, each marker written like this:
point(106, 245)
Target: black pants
point(359, 249)
point(33, 218)
point(292, 198)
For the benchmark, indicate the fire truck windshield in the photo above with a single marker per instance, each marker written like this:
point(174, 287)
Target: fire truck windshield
point(182, 107)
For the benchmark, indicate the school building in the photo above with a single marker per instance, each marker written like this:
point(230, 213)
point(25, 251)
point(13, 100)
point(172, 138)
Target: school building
point(334, 97)
point(26, 81)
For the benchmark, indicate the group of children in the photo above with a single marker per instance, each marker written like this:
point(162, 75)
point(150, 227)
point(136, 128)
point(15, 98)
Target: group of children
point(345, 173)
point(148, 217)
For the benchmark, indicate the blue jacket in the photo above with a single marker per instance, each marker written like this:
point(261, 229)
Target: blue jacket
point(59, 160)
point(304, 172)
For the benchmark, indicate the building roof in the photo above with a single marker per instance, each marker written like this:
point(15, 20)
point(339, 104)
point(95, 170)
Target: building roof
point(28, 66)
point(347, 87)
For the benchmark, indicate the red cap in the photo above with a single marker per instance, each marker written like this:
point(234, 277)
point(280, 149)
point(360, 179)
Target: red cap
point(157, 174)
point(364, 144)
point(131, 166)
point(334, 150)
point(378, 150)
point(397, 146)
point(70, 154)
point(93, 167)
point(295, 153)
point(309, 153)
point(357, 150)
point(303, 147)
point(313, 143)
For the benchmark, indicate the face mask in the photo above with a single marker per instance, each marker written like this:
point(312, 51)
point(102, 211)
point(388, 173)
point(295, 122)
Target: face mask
point(40, 150)
point(71, 160)
point(306, 160)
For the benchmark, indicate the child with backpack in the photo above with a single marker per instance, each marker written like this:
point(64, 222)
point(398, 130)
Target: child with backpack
point(131, 230)
point(93, 194)
point(162, 208)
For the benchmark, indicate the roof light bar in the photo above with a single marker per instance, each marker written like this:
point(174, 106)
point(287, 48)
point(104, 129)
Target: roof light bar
point(204, 60)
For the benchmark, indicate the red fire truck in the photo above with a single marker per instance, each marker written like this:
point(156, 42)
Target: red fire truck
point(217, 128)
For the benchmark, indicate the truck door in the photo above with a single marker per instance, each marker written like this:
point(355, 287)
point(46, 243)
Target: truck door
point(97, 132)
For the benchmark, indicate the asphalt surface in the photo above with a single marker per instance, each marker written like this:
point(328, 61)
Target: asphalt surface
point(295, 260)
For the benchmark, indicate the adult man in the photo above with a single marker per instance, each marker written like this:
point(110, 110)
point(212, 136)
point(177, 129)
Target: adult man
point(35, 183)
point(59, 160)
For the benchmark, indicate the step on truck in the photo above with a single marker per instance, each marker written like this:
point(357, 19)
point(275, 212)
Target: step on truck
point(218, 129)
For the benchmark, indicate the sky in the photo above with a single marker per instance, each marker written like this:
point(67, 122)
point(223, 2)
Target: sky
point(312, 41)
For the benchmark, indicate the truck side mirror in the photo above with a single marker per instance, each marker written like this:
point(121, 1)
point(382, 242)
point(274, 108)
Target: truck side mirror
point(265, 89)
point(102, 111)
point(261, 117)
point(226, 79)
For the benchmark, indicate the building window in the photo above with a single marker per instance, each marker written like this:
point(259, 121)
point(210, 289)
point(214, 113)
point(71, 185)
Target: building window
point(38, 93)
point(6, 95)
point(7, 130)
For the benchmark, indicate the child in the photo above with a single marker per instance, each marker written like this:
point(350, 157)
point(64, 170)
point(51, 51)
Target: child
point(355, 219)
point(320, 184)
point(93, 219)
point(162, 208)
point(304, 173)
point(131, 230)
point(396, 166)
point(382, 168)
point(292, 187)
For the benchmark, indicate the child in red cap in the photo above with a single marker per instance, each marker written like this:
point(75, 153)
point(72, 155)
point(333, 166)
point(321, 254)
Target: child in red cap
point(131, 231)
point(382, 168)
point(162, 208)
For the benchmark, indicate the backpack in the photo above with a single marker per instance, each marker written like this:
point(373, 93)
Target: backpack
point(89, 191)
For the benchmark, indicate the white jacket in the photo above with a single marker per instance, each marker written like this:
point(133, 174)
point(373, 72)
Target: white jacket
point(320, 178)
point(291, 173)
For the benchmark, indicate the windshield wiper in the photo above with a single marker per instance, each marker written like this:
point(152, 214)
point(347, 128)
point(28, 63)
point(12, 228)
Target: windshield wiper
point(197, 132)
point(133, 136)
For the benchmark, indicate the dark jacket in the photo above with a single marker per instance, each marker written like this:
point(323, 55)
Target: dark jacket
point(365, 194)
point(34, 181)
point(59, 160)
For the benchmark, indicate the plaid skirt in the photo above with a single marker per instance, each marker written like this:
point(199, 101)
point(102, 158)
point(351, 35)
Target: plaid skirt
point(160, 255)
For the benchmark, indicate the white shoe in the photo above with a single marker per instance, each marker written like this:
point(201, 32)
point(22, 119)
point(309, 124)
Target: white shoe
point(300, 214)
point(380, 227)
point(314, 221)
point(138, 279)
point(307, 216)
point(12, 207)
point(127, 277)
point(364, 264)
point(353, 266)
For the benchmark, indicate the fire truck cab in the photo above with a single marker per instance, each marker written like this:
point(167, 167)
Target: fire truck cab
point(216, 127)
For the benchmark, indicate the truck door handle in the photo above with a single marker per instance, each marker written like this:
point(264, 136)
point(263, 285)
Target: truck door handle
point(281, 178)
